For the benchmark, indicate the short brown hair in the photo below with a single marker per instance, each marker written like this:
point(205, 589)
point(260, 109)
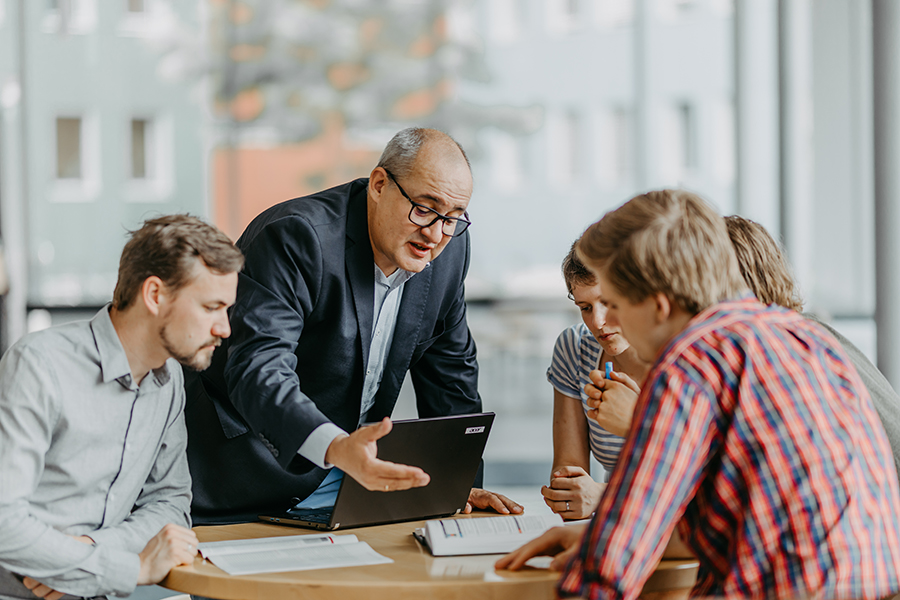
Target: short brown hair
point(762, 263)
point(669, 242)
point(574, 272)
point(166, 247)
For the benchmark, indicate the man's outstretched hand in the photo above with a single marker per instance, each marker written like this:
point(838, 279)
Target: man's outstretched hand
point(483, 499)
point(357, 456)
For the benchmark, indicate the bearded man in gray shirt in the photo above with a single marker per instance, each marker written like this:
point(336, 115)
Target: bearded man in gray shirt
point(95, 491)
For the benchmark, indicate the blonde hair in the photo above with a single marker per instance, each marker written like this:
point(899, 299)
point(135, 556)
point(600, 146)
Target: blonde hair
point(669, 242)
point(762, 263)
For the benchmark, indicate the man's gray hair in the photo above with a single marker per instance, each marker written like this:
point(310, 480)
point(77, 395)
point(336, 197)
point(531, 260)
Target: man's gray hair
point(401, 152)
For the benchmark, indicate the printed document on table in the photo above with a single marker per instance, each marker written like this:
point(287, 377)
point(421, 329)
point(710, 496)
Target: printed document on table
point(290, 553)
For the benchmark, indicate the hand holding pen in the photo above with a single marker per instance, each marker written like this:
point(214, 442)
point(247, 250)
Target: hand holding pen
point(612, 400)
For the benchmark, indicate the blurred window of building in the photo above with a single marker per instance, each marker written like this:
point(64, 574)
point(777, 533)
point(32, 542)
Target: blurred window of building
point(610, 14)
point(565, 16)
point(678, 136)
point(615, 146)
point(150, 159)
point(506, 161)
point(68, 148)
point(70, 17)
point(564, 146)
point(141, 148)
point(505, 19)
point(670, 10)
point(77, 168)
point(143, 18)
point(724, 142)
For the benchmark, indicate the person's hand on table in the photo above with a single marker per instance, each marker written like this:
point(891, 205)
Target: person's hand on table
point(572, 493)
point(357, 456)
point(172, 546)
point(612, 401)
point(483, 499)
point(560, 542)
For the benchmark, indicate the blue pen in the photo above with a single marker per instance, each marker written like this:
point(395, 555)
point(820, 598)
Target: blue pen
point(608, 369)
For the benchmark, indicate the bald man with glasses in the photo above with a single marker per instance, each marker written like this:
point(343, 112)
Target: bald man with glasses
point(343, 293)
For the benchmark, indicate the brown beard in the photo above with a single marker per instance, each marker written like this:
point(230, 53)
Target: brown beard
point(193, 360)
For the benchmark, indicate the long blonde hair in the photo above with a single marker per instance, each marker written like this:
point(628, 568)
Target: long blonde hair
point(763, 264)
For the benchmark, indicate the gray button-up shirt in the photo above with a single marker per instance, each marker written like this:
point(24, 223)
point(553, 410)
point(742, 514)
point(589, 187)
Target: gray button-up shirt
point(85, 451)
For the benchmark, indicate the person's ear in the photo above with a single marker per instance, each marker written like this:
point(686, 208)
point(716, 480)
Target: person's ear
point(153, 294)
point(378, 180)
point(663, 307)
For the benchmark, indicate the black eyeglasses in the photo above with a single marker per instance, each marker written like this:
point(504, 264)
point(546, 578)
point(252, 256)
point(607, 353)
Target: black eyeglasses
point(423, 216)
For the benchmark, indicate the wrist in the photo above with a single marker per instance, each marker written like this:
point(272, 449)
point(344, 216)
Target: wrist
point(333, 453)
point(144, 571)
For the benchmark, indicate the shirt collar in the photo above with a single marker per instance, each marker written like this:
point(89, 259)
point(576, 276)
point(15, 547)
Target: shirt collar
point(113, 360)
point(395, 279)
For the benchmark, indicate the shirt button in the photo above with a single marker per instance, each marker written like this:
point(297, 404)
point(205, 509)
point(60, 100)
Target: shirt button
point(368, 372)
point(128, 445)
point(112, 497)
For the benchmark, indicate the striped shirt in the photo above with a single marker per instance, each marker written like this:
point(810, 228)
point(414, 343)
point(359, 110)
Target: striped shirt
point(576, 354)
point(755, 427)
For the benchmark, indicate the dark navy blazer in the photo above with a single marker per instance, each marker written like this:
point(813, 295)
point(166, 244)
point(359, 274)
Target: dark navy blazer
point(296, 358)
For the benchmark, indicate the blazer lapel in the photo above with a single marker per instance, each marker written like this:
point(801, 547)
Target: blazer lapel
point(360, 265)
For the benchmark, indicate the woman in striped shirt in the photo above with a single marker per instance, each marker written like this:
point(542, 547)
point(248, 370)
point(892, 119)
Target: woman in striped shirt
point(579, 429)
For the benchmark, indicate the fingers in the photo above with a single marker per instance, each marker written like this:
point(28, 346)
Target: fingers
point(568, 472)
point(627, 381)
point(181, 542)
point(593, 392)
point(375, 432)
point(598, 377)
point(559, 561)
point(545, 545)
point(385, 476)
point(554, 494)
point(40, 590)
point(479, 498)
point(504, 505)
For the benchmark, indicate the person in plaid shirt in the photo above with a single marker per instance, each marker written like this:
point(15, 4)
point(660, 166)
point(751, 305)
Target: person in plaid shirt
point(753, 433)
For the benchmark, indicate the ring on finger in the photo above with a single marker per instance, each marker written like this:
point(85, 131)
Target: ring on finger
point(567, 507)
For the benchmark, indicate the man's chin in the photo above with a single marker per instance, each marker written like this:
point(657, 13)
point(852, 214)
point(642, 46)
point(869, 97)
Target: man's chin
point(198, 362)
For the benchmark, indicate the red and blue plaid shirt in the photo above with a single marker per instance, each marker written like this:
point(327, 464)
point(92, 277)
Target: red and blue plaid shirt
point(756, 429)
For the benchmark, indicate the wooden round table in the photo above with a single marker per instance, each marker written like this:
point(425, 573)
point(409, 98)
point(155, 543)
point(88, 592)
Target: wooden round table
point(414, 574)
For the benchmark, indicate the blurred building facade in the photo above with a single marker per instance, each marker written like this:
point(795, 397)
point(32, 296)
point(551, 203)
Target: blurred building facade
point(566, 107)
point(95, 138)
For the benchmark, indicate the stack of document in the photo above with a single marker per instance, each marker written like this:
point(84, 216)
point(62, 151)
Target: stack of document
point(488, 535)
point(290, 553)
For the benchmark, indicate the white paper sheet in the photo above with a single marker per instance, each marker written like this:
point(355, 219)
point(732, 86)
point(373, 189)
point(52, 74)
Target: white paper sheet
point(273, 555)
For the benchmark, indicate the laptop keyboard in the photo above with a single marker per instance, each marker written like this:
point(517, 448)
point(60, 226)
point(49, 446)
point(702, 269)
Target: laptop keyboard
point(313, 515)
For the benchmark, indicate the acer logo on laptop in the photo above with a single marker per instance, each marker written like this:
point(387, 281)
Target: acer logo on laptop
point(474, 430)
